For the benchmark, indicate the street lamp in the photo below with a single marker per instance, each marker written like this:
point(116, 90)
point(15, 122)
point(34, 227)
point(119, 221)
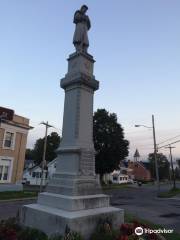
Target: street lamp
point(155, 150)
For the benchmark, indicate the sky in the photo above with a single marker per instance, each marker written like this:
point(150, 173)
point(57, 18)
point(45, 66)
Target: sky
point(136, 45)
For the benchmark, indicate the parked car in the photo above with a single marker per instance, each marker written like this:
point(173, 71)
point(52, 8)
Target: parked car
point(130, 181)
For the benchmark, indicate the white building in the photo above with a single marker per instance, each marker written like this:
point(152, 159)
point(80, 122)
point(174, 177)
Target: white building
point(32, 176)
point(118, 177)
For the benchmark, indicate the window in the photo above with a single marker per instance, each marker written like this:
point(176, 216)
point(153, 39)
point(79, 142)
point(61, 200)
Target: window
point(5, 170)
point(8, 142)
point(36, 174)
point(1, 171)
point(115, 178)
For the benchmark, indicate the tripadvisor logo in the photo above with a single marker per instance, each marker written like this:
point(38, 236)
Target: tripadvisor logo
point(139, 231)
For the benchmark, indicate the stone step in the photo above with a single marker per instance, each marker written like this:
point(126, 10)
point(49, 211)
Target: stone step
point(73, 203)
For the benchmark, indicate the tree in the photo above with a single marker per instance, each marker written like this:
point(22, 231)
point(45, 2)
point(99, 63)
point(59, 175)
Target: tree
point(163, 166)
point(177, 173)
point(109, 142)
point(29, 154)
point(178, 162)
point(53, 142)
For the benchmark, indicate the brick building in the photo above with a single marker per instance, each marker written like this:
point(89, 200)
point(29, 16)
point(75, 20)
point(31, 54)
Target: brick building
point(139, 171)
point(13, 138)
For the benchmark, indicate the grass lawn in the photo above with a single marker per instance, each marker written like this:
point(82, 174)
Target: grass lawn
point(171, 193)
point(115, 186)
point(128, 218)
point(16, 195)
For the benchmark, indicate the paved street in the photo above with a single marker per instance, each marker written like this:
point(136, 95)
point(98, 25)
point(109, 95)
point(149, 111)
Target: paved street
point(10, 209)
point(142, 202)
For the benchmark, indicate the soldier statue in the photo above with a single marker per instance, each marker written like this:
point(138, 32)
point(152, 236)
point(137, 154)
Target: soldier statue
point(80, 39)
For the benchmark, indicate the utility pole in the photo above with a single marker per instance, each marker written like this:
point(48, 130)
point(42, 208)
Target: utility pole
point(172, 167)
point(44, 154)
point(155, 151)
point(155, 155)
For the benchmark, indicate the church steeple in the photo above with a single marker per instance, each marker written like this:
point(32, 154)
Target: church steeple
point(136, 155)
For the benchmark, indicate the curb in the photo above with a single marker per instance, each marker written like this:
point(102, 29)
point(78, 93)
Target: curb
point(172, 198)
point(17, 199)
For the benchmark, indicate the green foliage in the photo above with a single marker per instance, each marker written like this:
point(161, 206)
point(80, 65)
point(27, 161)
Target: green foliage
point(70, 235)
point(177, 173)
point(109, 142)
point(104, 231)
point(56, 237)
point(178, 162)
point(53, 141)
point(73, 236)
point(29, 154)
point(32, 234)
point(163, 166)
point(171, 193)
point(16, 195)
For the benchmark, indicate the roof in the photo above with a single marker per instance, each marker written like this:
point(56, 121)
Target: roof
point(52, 162)
point(13, 119)
point(136, 154)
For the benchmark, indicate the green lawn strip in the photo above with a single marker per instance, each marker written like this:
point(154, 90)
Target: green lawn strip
point(171, 193)
point(115, 186)
point(129, 218)
point(8, 195)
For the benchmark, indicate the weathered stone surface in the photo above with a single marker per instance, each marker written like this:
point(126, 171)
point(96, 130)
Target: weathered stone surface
point(54, 220)
point(74, 197)
point(73, 203)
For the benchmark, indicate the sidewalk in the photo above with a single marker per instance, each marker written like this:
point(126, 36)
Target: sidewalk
point(10, 187)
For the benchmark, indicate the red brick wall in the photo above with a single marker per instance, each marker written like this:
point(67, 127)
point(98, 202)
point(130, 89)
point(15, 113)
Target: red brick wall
point(139, 171)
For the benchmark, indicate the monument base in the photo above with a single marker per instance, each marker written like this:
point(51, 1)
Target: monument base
point(54, 221)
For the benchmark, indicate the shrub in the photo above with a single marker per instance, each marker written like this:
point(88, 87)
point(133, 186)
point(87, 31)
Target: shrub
point(71, 235)
point(9, 229)
point(56, 237)
point(104, 231)
point(32, 234)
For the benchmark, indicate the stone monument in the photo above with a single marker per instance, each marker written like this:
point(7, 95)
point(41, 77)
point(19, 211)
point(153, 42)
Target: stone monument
point(73, 197)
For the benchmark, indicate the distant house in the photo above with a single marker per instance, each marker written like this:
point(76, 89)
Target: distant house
point(122, 175)
point(118, 177)
point(51, 168)
point(32, 176)
point(139, 171)
point(13, 138)
point(29, 163)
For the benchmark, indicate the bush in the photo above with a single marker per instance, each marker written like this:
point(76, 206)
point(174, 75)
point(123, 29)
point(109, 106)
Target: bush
point(104, 231)
point(9, 229)
point(56, 237)
point(32, 234)
point(71, 235)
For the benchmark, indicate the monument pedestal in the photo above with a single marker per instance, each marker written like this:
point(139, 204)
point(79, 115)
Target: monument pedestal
point(74, 196)
point(53, 220)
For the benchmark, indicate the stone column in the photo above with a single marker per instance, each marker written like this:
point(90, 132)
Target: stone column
point(73, 197)
point(75, 173)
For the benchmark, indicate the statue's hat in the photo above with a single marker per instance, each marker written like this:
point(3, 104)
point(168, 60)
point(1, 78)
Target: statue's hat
point(85, 6)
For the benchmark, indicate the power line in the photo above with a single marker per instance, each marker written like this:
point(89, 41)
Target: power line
point(168, 144)
point(169, 139)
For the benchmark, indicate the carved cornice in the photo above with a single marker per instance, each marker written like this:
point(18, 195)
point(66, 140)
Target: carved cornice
point(79, 79)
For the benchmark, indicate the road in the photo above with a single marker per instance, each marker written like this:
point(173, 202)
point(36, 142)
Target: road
point(142, 202)
point(139, 201)
point(10, 208)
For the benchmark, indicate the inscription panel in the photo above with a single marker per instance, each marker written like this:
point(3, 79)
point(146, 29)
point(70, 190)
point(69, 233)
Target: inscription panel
point(87, 164)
